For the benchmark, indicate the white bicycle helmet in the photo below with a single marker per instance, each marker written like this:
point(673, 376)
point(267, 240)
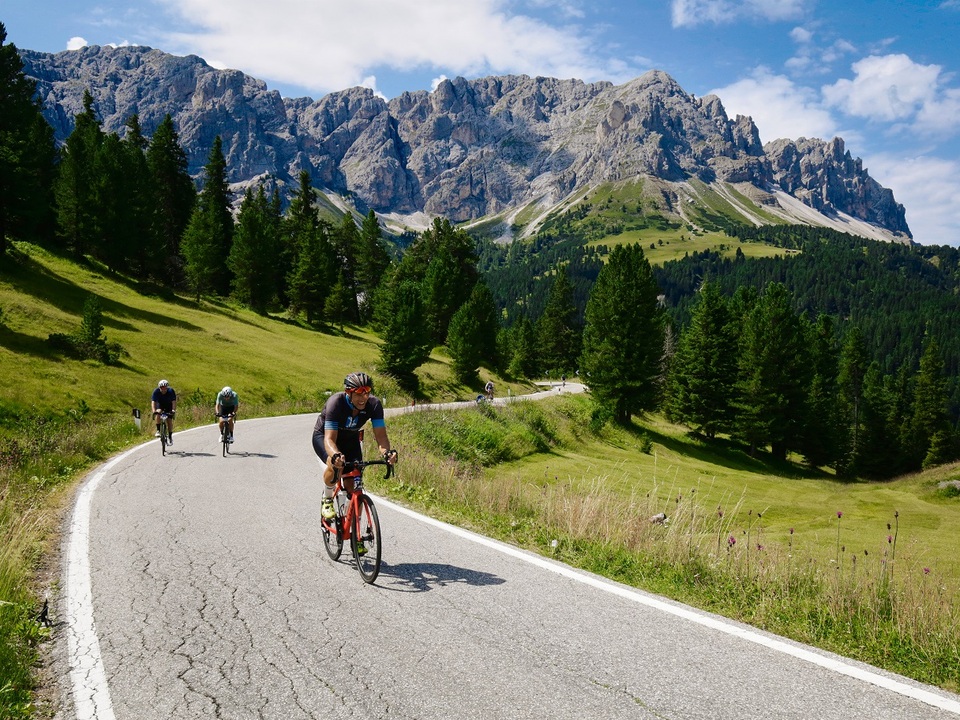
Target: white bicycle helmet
point(227, 390)
point(162, 383)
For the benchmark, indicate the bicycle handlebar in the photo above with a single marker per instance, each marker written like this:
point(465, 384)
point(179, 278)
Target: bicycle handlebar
point(359, 464)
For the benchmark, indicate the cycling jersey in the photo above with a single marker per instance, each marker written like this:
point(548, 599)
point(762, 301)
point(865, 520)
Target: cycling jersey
point(164, 400)
point(338, 414)
point(227, 401)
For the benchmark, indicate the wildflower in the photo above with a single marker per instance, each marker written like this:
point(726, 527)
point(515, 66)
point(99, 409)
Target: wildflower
point(731, 541)
point(889, 539)
point(759, 546)
point(926, 571)
point(791, 531)
point(839, 513)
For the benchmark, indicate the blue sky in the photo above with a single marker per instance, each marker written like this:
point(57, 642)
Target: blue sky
point(881, 75)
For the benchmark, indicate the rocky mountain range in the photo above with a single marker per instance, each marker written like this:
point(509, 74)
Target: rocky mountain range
point(494, 147)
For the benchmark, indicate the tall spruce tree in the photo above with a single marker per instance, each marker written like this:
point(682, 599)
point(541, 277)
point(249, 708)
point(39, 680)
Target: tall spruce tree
point(372, 263)
point(207, 240)
point(76, 182)
point(27, 153)
point(174, 197)
point(141, 197)
point(703, 375)
point(523, 359)
point(472, 335)
point(443, 261)
point(558, 333)
point(406, 338)
point(854, 364)
point(823, 433)
point(623, 335)
point(253, 255)
point(930, 426)
point(314, 273)
point(774, 374)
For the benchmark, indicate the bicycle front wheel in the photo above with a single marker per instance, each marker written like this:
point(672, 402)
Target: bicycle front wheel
point(365, 539)
point(163, 438)
point(223, 440)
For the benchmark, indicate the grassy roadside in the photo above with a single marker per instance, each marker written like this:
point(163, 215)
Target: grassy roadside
point(786, 550)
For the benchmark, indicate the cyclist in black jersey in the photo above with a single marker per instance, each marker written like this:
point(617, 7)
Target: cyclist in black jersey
point(336, 436)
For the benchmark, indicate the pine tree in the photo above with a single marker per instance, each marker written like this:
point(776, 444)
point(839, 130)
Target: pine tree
point(173, 196)
point(704, 370)
point(854, 364)
point(313, 274)
point(141, 197)
point(930, 424)
point(340, 303)
point(523, 359)
point(823, 432)
point(76, 182)
point(27, 153)
point(207, 240)
point(623, 335)
point(443, 261)
point(253, 254)
point(774, 374)
point(558, 336)
point(406, 340)
point(472, 334)
point(372, 263)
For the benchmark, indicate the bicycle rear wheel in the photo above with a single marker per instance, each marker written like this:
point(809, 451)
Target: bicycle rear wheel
point(332, 540)
point(366, 538)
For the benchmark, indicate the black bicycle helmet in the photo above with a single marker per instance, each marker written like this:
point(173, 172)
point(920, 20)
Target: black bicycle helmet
point(355, 380)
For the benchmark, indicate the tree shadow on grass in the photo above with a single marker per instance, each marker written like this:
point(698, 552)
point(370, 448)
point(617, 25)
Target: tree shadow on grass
point(32, 278)
point(725, 453)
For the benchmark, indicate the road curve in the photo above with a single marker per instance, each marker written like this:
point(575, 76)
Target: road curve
point(196, 586)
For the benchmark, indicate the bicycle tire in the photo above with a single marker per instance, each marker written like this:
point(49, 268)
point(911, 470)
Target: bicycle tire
point(223, 440)
point(163, 437)
point(332, 541)
point(366, 529)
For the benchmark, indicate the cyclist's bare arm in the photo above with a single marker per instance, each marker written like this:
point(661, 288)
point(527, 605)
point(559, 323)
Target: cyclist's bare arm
point(380, 434)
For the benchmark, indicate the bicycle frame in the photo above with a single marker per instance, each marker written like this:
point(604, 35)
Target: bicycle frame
point(225, 432)
point(356, 520)
point(164, 431)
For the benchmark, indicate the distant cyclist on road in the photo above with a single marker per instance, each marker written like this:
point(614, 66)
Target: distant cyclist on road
point(488, 389)
point(227, 405)
point(336, 436)
point(164, 399)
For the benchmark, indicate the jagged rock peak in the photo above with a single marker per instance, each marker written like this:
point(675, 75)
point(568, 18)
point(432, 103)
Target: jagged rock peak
point(469, 149)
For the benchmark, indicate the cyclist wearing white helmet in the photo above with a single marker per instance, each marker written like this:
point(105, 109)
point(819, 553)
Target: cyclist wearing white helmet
point(164, 399)
point(227, 405)
point(336, 436)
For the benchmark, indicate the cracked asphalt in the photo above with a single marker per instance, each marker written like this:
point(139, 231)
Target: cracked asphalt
point(213, 598)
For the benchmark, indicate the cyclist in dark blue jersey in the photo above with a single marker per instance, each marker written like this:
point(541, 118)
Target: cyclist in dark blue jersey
point(336, 436)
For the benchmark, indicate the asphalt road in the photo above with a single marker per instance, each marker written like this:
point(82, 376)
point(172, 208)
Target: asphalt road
point(196, 586)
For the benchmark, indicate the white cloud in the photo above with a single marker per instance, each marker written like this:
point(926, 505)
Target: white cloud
point(688, 13)
point(929, 188)
point(779, 107)
point(887, 88)
point(332, 45)
point(75, 43)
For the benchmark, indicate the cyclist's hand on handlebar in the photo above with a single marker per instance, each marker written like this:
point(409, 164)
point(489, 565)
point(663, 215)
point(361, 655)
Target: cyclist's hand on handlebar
point(338, 460)
point(390, 456)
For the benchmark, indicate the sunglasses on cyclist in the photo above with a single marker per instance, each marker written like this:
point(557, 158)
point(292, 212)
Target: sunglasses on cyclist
point(363, 390)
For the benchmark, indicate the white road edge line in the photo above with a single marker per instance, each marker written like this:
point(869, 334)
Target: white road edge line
point(687, 613)
point(91, 694)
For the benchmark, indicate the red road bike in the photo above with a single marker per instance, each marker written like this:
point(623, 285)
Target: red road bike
point(356, 520)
